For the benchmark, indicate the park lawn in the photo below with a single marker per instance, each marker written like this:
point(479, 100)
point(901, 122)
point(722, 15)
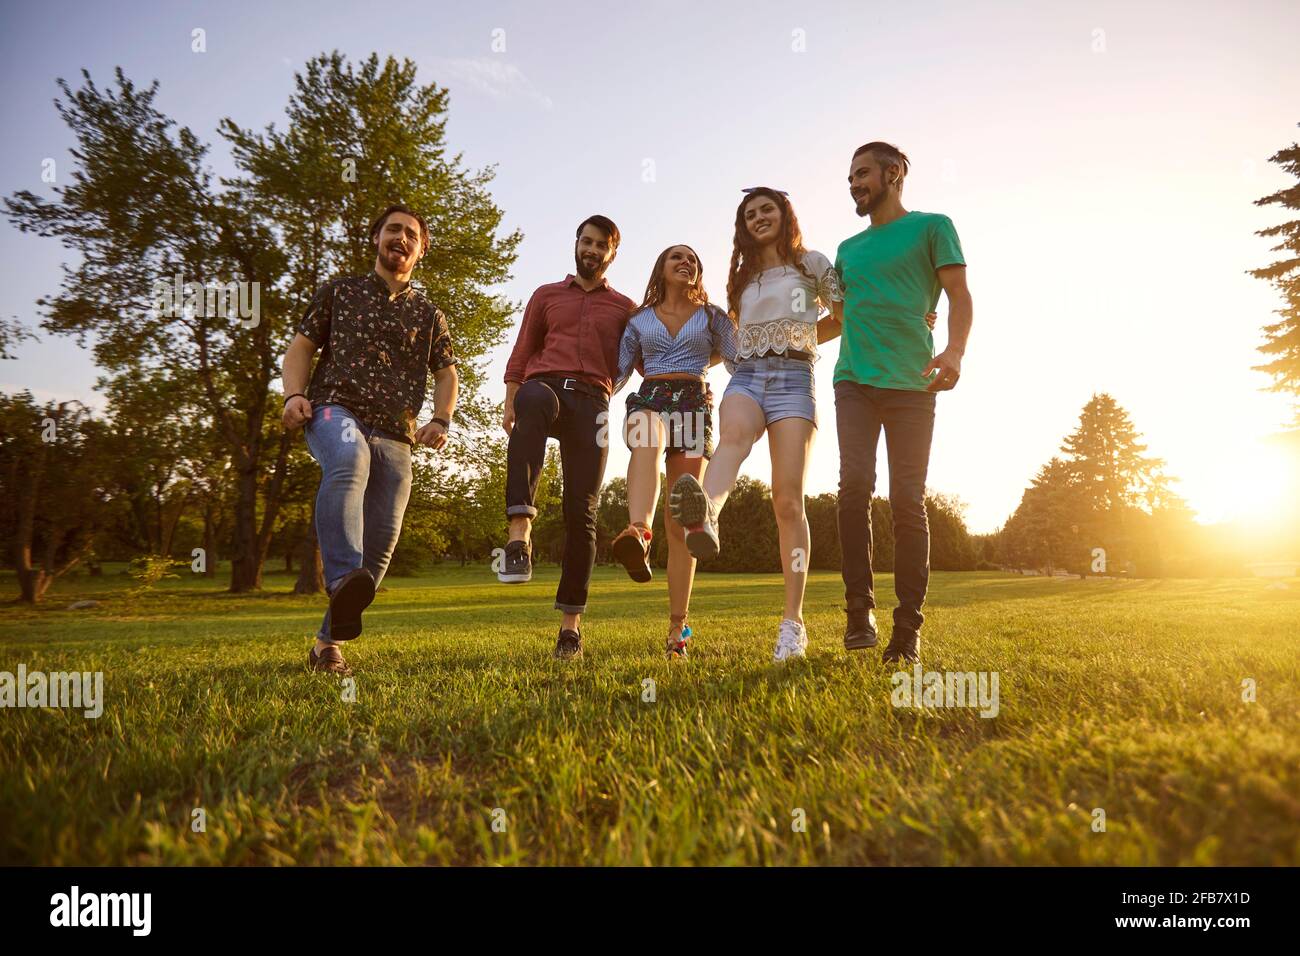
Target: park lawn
point(1123, 696)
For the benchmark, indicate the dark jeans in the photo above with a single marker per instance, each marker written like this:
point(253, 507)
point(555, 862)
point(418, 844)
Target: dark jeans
point(545, 408)
point(908, 420)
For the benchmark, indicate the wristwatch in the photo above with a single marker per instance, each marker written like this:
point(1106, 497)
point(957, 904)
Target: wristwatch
point(446, 425)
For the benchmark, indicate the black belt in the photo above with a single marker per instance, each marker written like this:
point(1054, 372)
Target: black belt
point(572, 385)
point(789, 353)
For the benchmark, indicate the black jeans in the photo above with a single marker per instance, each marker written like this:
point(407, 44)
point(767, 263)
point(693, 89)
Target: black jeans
point(908, 420)
point(544, 409)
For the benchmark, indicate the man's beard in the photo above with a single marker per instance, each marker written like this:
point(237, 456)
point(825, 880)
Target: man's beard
point(872, 203)
point(589, 273)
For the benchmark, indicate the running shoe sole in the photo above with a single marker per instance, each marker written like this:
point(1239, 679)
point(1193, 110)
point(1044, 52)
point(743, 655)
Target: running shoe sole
point(690, 506)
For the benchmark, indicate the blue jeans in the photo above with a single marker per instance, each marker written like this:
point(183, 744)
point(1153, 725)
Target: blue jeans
point(364, 486)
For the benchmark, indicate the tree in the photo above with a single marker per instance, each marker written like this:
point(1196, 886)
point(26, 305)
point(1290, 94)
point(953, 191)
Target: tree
point(951, 547)
point(142, 207)
point(1282, 338)
point(1044, 530)
point(12, 332)
point(747, 529)
point(51, 460)
point(1107, 461)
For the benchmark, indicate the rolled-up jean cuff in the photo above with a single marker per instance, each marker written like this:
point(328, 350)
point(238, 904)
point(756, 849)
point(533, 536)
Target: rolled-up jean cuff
point(571, 608)
point(529, 510)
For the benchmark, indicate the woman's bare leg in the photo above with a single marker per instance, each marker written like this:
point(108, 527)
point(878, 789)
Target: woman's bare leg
point(681, 565)
point(644, 433)
point(790, 441)
point(740, 424)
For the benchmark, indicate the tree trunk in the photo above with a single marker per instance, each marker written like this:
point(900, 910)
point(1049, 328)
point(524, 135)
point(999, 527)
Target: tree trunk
point(30, 580)
point(209, 543)
point(245, 569)
point(311, 577)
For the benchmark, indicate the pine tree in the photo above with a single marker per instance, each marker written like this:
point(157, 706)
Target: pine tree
point(1282, 338)
point(1108, 462)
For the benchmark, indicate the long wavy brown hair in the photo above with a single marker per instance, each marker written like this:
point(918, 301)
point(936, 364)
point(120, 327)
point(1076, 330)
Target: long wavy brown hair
point(745, 249)
point(654, 289)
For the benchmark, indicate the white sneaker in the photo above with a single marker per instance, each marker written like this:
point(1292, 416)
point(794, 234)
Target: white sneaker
point(791, 641)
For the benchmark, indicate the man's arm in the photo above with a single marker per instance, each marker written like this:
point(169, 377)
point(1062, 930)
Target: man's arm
point(446, 388)
point(530, 340)
point(961, 314)
point(295, 372)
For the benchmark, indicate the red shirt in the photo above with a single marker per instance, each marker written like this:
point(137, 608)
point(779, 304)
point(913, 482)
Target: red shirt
point(570, 332)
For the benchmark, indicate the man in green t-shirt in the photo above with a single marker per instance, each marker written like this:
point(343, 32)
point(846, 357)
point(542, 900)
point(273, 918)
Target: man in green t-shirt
point(887, 378)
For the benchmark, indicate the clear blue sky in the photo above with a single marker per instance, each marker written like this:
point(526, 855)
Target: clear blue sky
point(1098, 159)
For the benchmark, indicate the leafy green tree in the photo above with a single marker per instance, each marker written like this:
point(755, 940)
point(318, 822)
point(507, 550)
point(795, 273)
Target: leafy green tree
point(1043, 531)
point(823, 532)
point(951, 547)
point(142, 207)
point(12, 333)
point(52, 458)
point(548, 525)
point(747, 529)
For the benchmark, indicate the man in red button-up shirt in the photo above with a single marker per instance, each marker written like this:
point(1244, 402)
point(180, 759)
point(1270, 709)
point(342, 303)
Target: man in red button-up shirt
point(558, 382)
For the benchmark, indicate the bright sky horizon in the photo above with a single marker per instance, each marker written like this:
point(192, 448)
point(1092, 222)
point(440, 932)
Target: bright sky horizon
point(1099, 161)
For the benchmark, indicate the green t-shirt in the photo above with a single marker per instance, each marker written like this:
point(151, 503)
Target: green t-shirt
point(890, 278)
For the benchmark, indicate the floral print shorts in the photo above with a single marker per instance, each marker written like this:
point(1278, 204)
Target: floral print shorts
point(684, 406)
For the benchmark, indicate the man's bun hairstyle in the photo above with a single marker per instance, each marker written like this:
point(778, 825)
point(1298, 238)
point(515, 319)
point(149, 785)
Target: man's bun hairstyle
point(887, 154)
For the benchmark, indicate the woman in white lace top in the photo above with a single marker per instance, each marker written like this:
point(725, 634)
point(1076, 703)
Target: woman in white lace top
point(775, 293)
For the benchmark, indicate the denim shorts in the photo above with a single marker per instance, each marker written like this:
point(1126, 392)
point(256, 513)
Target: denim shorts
point(782, 387)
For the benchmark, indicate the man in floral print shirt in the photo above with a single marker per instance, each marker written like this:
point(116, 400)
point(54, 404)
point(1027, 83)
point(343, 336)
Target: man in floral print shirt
point(380, 338)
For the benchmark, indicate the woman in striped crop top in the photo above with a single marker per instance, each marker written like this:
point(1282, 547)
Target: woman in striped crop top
point(672, 339)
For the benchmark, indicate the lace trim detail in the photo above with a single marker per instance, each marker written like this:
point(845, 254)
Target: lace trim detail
point(830, 284)
point(778, 337)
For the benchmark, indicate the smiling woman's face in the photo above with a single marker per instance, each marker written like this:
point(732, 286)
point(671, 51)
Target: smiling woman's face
point(763, 219)
point(681, 267)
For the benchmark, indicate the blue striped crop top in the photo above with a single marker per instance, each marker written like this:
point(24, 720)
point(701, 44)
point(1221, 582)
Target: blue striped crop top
point(647, 342)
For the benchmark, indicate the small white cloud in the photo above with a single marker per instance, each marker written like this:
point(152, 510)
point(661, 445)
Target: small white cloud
point(489, 75)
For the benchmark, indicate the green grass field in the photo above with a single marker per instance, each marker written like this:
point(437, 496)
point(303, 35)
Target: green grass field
point(1123, 696)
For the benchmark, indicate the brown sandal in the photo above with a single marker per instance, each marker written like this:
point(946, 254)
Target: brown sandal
point(329, 661)
point(632, 550)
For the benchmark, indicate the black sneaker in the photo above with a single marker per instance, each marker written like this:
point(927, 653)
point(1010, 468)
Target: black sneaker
point(904, 645)
point(517, 565)
point(860, 632)
point(349, 598)
point(568, 646)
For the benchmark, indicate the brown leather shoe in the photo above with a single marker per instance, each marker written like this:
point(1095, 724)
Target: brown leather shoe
point(349, 598)
point(632, 550)
point(329, 661)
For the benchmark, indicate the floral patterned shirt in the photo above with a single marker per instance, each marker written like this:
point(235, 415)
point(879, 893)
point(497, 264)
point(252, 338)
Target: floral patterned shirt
point(377, 350)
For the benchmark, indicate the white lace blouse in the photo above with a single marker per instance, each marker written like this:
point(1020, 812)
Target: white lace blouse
point(779, 307)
